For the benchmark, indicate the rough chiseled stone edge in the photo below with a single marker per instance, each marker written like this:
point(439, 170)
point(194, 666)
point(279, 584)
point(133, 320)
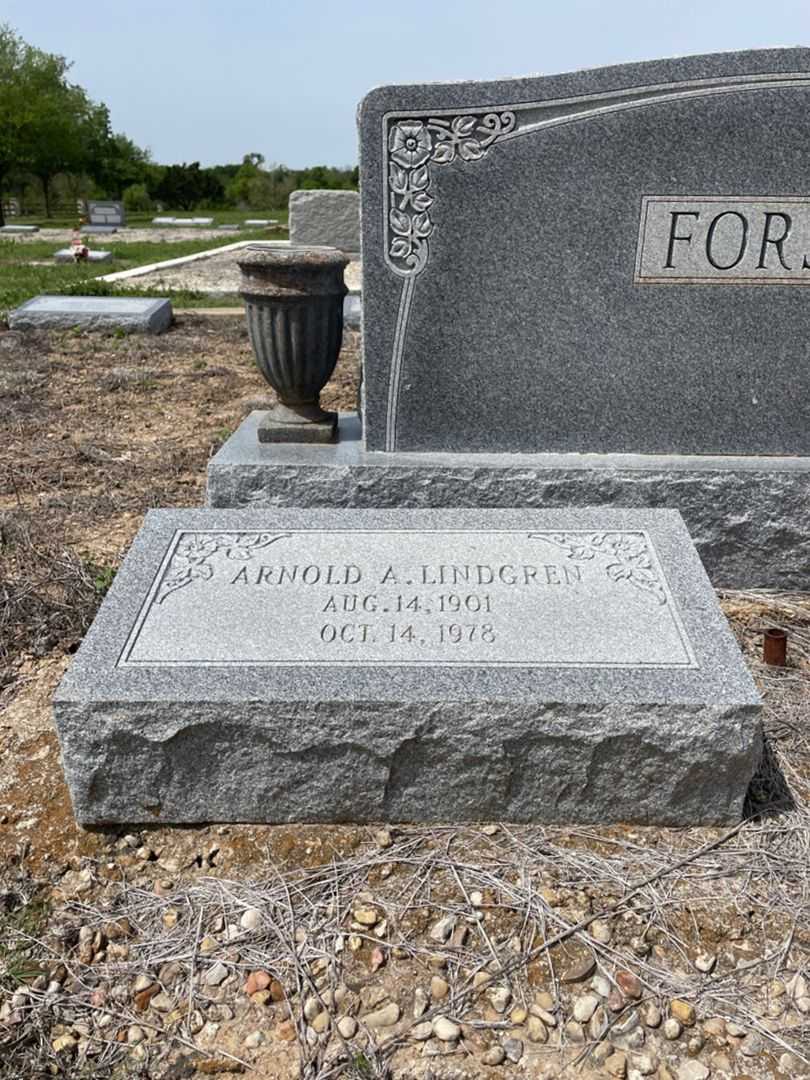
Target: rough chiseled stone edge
point(749, 518)
point(371, 761)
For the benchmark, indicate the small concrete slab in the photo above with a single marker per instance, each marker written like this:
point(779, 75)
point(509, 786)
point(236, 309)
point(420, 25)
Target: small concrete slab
point(355, 665)
point(133, 313)
point(260, 222)
point(163, 221)
point(92, 230)
point(19, 230)
point(65, 255)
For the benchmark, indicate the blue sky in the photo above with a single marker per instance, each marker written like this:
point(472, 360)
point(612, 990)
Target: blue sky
point(216, 79)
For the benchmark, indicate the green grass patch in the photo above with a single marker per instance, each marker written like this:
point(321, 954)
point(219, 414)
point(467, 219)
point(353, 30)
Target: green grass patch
point(143, 219)
point(20, 281)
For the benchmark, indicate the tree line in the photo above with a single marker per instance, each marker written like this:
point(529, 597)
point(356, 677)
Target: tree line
point(57, 146)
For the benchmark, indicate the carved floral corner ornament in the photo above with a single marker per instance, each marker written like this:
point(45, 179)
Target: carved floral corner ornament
point(629, 555)
point(189, 562)
point(414, 146)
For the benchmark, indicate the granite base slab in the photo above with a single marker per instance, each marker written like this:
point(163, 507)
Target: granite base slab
point(749, 517)
point(219, 682)
point(131, 313)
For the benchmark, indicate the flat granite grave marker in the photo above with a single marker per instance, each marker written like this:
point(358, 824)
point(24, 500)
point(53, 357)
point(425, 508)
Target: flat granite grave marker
point(66, 255)
point(606, 261)
point(304, 665)
point(133, 313)
point(325, 217)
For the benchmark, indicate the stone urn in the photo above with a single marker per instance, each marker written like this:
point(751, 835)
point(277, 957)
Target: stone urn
point(294, 305)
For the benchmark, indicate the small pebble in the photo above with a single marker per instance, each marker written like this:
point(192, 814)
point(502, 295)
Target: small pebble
point(311, 1008)
point(683, 1011)
point(135, 1035)
point(500, 997)
point(518, 1016)
point(628, 984)
point(600, 930)
point(494, 1056)
point(752, 1045)
point(387, 1016)
point(585, 1007)
point(616, 1065)
point(536, 1030)
point(693, 1070)
point(477, 899)
point(715, 1027)
point(545, 1000)
point(366, 916)
point(651, 1016)
point(445, 1029)
point(491, 830)
point(601, 985)
point(737, 1031)
point(513, 1048)
point(422, 1032)
point(420, 1002)
point(347, 1026)
point(442, 930)
point(439, 988)
point(216, 974)
point(251, 919)
point(574, 1032)
point(321, 1022)
point(383, 838)
point(672, 1029)
point(549, 1019)
point(254, 1040)
point(705, 962)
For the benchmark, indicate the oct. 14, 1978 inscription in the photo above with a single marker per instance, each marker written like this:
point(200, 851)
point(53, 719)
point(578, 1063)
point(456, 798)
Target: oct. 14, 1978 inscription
point(723, 239)
point(409, 597)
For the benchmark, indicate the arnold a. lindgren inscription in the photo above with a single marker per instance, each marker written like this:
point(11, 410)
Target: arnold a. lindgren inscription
point(530, 247)
point(366, 665)
point(392, 597)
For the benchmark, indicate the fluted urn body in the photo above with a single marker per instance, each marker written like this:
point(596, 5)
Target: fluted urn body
point(294, 305)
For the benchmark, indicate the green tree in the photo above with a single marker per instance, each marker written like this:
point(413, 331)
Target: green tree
point(47, 125)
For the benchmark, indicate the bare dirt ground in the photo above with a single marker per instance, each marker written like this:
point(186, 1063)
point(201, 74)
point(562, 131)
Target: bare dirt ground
point(312, 951)
point(217, 274)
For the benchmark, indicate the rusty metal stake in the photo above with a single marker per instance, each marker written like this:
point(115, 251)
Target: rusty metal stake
point(774, 647)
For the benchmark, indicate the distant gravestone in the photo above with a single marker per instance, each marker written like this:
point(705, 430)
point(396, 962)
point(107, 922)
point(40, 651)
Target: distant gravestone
point(260, 222)
point(609, 261)
point(163, 221)
point(66, 255)
point(326, 217)
point(19, 230)
point(349, 665)
point(106, 214)
point(93, 313)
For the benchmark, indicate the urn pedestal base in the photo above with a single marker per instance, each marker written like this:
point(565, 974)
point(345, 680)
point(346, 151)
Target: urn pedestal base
point(309, 424)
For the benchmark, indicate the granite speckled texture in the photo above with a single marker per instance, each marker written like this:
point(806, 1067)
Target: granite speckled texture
point(500, 232)
point(748, 517)
point(155, 740)
point(326, 217)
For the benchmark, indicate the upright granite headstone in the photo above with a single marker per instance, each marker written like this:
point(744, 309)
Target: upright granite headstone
point(606, 261)
point(106, 213)
point(356, 665)
point(326, 217)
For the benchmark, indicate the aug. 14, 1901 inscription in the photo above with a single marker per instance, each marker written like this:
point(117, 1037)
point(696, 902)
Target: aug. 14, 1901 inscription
point(404, 597)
